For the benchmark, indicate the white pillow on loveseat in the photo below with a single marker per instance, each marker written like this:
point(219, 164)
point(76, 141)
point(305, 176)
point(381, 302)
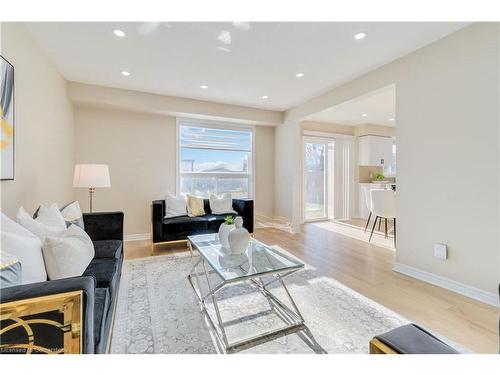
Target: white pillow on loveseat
point(26, 247)
point(69, 254)
point(221, 204)
point(175, 206)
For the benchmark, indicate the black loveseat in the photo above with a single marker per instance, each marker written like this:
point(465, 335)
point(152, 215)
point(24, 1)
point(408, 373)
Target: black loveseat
point(178, 228)
point(85, 330)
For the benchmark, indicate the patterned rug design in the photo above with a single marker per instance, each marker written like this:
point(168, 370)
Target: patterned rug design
point(157, 312)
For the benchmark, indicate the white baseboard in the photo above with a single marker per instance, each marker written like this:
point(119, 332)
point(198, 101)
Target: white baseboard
point(454, 286)
point(137, 237)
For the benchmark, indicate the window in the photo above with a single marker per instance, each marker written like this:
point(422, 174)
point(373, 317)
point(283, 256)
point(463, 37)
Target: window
point(214, 159)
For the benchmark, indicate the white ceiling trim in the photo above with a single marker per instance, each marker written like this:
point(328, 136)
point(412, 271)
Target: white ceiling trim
point(377, 107)
point(92, 95)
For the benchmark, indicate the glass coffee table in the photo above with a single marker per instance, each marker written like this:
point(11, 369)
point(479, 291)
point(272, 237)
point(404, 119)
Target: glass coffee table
point(257, 262)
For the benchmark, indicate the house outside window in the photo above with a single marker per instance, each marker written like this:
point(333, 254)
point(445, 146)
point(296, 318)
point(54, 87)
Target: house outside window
point(214, 158)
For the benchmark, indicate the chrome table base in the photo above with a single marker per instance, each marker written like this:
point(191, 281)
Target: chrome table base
point(291, 316)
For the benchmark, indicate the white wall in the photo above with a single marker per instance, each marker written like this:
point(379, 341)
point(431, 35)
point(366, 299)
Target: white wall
point(43, 127)
point(288, 162)
point(448, 98)
point(140, 150)
point(264, 170)
point(447, 133)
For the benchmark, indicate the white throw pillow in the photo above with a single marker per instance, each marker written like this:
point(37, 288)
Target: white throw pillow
point(51, 216)
point(37, 227)
point(27, 247)
point(69, 254)
point(221, 204)
point(195, 205)
point(72, 214)
point(175, 206)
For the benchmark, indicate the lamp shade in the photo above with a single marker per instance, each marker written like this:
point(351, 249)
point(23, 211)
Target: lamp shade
point(91, 176)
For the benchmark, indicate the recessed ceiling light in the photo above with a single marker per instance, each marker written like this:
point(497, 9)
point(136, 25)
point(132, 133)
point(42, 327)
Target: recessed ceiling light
point(224, 37)
point(364, 115)
point(119, 33)
point(391, 119)
point(359, 36)
point(125, 73)
point(265, 97)
point(204, 87)
point(299, 75)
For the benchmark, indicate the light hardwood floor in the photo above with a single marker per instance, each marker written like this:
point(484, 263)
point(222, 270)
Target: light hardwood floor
point(345, 255)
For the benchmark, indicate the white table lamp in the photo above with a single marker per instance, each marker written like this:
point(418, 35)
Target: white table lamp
point(91, 176)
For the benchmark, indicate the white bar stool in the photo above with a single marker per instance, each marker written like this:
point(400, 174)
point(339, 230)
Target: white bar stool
point(368, 202)
point(383, 204)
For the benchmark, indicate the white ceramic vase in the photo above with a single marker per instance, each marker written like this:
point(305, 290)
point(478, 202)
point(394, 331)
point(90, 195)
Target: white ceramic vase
point(238, 238)
point(224, 230)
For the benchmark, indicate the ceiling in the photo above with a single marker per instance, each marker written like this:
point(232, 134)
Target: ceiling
point(239, 63)
point(377, 107)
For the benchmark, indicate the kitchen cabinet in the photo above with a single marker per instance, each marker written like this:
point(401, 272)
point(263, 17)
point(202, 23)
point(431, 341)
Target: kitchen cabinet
point(375, 150)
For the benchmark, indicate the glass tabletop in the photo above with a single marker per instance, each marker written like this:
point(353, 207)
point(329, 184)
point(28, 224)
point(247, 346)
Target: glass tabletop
point(258, 259)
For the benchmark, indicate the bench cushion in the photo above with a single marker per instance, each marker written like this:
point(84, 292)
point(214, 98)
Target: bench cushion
point(412, 339)
point(214, 222)
point(108, 249)
point(185, 225)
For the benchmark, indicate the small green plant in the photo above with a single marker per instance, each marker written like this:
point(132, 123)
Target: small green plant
point(229, 219)
point(379, 177)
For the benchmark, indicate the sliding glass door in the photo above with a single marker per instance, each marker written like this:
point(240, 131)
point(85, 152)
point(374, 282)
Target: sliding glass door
point(315, 180)
point(328, 177)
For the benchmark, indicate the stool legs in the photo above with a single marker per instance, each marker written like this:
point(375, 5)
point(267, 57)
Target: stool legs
point(386, 235)
point(368, 221)
point(373, 228)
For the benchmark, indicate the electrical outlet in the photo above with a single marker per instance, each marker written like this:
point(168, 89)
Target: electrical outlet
point(440, 251)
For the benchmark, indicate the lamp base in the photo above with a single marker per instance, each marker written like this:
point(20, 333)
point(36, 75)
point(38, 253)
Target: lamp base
point(91, 193)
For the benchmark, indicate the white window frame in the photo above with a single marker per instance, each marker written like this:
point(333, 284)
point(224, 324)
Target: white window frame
point(183, 121)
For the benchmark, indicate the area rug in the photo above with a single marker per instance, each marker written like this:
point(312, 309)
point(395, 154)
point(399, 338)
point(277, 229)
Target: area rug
point(157, 312)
